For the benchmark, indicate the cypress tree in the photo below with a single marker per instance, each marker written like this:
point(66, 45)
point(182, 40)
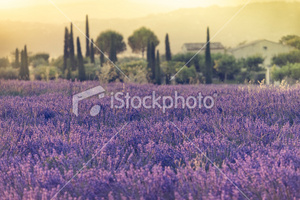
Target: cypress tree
point(66, 49)
point(168, 50)
point(17, 58)
point(71, 49)
point(208, 62)
point(69, 69)
point(87, 32)
point(21, 72)
point(92, 54)
point(81, 69)
point(157, 70)
point(26, 67)
point(152, 61)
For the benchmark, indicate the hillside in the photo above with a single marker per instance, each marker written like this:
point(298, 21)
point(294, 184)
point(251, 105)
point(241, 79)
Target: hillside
point(258, 20)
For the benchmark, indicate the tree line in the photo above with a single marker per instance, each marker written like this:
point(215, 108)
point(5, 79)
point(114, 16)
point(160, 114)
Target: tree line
point(112, 43)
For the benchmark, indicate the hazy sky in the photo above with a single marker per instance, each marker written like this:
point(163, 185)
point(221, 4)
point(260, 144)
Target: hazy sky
point(43, 10)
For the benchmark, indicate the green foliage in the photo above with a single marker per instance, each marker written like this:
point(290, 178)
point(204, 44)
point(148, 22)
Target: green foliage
point(253, 63)
point(226, 67)
point(4, 62)
point(38, 61)
point(287, 71)
point(285, 58)
point(91, 72)
point(104, 41)
point(168, 69)
point(139, 39)
point(135, 69)
point(9, 73)
point(291, 40)
point(40, 56)
point(46, 73)
point(102, 59)
point(187, 75)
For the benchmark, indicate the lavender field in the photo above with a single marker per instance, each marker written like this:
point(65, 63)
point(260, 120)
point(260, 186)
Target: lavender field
point(246, 147)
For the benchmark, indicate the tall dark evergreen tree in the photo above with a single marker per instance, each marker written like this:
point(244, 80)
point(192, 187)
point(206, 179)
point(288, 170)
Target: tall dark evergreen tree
point(81, 69)
point(69, 69)
point(72, 49)
point(208, 62)
point(26, 69)
point(153, 63)
point(22, 67)
point(92, 54)
point(66, 49)
point(157, 69)
point(17, 58)
point(168, 49)
point(113, 52)
point(87, 32)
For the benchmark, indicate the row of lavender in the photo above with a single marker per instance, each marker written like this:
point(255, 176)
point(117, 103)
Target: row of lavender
point(252, 135)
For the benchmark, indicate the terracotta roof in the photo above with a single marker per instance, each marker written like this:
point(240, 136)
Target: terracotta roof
point(198, 46)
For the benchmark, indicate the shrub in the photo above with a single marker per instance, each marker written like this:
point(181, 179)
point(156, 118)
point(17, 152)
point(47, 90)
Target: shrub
point(9, 73)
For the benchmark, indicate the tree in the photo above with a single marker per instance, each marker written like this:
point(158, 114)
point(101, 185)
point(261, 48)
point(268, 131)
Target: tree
point(102, 59)
point(17, 58)
point(87, 32)
point(92, 54)
point(139, 39)
point(157, 69)
point(107, 38)
point(287, 71)
point(226, 66)
point(168, 49)
point(153, 63)
point(81, 69)
point(24, 69)
point(113, 52)
point(71, 49)
point(21, 71)
point(285, 58)
point(291, 40)
point(66, 49)
point(208, 63)
point(253, 63)
point(4, 62)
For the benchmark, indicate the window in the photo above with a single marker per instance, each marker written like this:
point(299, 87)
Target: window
point(265, 47)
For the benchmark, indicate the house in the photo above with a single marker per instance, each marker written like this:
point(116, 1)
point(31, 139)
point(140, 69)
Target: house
point(265, 48)
point(215, 47)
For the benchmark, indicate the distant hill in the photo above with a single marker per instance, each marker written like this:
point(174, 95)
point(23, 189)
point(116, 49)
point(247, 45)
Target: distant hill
point(257, 21)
